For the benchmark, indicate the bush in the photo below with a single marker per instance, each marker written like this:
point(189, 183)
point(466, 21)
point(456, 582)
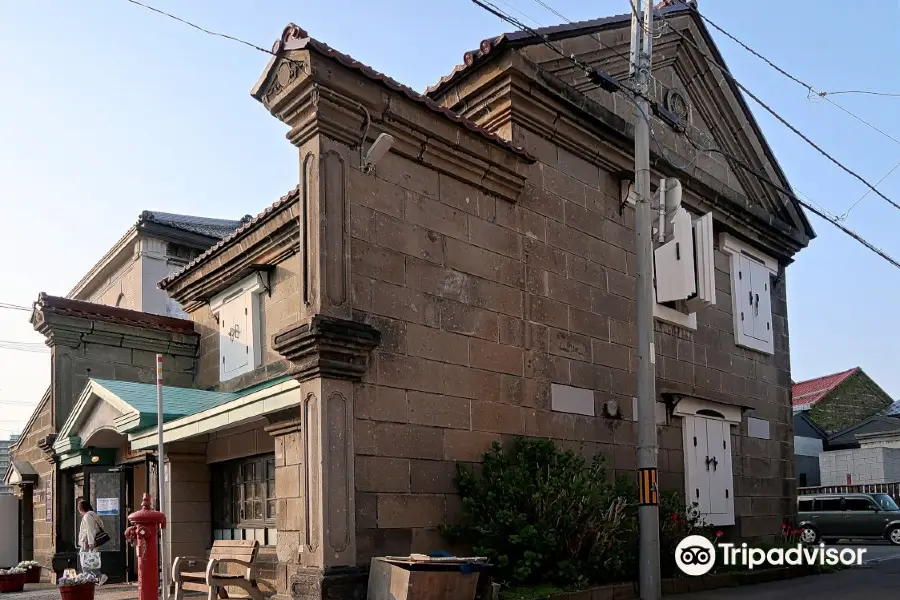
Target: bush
point(542, 515)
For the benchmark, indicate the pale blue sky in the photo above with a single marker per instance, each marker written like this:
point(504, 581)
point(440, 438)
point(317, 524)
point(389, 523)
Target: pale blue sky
point(108, 109)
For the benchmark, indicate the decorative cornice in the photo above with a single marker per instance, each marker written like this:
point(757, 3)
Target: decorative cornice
point(328, 347)
point(72, 330)
point(274, 237)
point(284, 422)
point(46, 446)
point(325, 98)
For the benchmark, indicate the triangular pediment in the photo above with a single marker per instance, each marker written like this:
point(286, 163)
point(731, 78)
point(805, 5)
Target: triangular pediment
point(717, 116)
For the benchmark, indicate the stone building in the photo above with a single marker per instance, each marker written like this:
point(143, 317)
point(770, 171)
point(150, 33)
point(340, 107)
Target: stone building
point(97, 331)
point(840, 400)
point(399, 311)
point(156, 246)
point(4, 460)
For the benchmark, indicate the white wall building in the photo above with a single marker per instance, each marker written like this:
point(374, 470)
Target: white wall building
point(158, 245)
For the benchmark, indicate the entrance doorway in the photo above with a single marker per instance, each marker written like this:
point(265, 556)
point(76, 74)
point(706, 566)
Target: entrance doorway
point(104, 488)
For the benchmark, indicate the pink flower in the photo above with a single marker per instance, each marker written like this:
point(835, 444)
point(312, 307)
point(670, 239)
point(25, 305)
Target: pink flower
point(719, 533)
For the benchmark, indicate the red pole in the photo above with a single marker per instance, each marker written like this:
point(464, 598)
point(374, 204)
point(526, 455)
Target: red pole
point(143, 534)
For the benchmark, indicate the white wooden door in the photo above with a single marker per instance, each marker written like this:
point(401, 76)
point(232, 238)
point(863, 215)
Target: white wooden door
point(760, 283)
point(718, 468)
point(708, 468)
point(697, 480)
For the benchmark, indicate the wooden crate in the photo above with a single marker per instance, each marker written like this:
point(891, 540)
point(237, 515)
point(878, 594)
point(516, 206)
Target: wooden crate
point(401, 579)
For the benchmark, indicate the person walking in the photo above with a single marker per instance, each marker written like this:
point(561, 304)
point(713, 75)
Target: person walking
point(91, 525)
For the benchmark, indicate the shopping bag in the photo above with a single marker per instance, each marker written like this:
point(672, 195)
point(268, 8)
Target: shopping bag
point(90, 560)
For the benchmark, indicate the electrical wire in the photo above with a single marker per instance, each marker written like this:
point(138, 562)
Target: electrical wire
point(493, 9)
point(740, 163)
point(595, 37)
point(784, 72)
point(14, 306)
point(724, 70)
point(811, 91)
point(199, 28)
point(821, 213)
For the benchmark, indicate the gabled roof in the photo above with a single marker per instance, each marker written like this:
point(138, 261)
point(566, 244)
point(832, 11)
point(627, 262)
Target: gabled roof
point(876, 424)
point(248, 226)
point(213, 228)
point(493, 47)
point(807, 393)
point(804, 416)
point(893, 410)
point(136, 403)
point(518, 39)
point(111, 314)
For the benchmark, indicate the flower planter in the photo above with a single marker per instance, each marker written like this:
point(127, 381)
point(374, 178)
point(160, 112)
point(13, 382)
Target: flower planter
point(84, 591)
point(12, 583)
point(33, 575)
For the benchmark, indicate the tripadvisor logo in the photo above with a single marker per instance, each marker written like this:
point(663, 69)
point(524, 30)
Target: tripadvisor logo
point(695, 555)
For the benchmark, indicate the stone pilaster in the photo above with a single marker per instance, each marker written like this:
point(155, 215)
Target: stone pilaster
point(314, 459)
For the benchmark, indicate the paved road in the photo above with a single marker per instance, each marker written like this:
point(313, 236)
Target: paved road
point(879, 579)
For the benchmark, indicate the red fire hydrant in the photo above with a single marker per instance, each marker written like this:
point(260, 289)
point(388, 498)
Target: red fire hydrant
point(143, 535)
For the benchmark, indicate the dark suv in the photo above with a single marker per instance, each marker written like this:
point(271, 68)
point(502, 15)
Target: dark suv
point(830, 517)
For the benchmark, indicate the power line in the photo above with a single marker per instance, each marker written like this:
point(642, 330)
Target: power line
point(14, 306)
point(784, 72)
point(738, 162)
point(810, 92)
point(203, 29)
point(724, 70)
point(594, 75)
point(33, 347)
point(595, 37)
point(816, 211)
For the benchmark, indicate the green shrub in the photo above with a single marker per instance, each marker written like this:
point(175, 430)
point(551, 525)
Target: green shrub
point(546, 516)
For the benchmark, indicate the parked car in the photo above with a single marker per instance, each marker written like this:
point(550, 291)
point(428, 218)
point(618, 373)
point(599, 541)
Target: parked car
point(830, 517)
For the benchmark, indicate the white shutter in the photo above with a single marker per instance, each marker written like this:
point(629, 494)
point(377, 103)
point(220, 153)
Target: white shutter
point(744, 294)
point(721, 478)
point(705, 264)
point(674, 260)
point(235, 336)
point(696, 477)
point(762, 302)
point(715, 450)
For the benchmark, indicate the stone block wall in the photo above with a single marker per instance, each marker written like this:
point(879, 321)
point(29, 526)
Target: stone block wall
point(483, 303)
point(854, 400)
point(863, 465)
point(42, 541)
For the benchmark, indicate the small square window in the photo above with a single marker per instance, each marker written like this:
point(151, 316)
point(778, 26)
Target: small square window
point(240, 328)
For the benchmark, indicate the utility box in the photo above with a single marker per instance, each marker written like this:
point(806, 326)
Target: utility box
point(420, 577)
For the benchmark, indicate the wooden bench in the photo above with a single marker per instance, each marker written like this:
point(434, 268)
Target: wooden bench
point(191, 572)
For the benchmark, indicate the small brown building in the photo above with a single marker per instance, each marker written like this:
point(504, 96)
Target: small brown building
point(398, 311)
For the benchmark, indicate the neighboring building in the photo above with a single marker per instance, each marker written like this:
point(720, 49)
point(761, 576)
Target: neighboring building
point(381, 323)
point(158, 245)
point(809, 443)
point(4, 461)
point(835, 402)
point(838, 421)
point(113, 342)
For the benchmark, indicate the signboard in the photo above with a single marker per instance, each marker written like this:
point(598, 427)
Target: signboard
point(107, 506)
point(48, 502)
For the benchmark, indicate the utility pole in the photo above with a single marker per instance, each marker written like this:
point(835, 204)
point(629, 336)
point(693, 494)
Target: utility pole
point(648, 511)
